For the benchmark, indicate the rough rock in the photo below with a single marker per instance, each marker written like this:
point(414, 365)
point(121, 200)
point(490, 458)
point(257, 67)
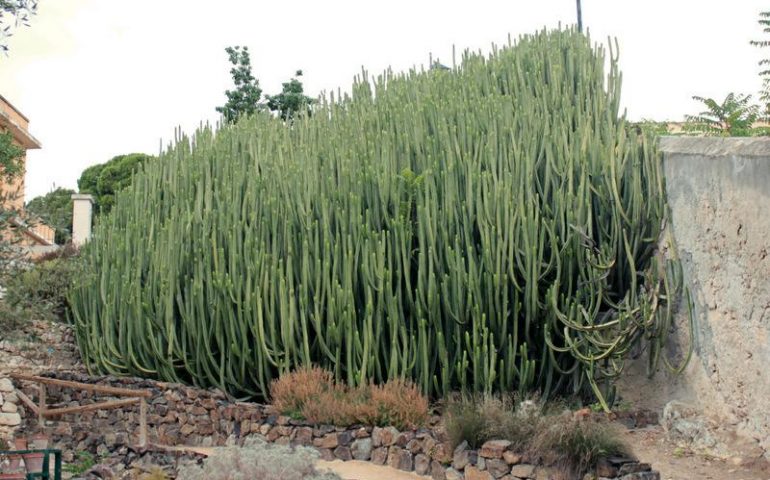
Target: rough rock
point(400, 459)
point(10, 419)
point(421, 464)
point(362, 449)
point(380, 456)
point(511, 458)
point(6, 386)
point(473, 473)
point(452, 474)
point(494, 448)
point(497, 467)
point(343, 453)
point(437, 471)
point(523, 471)
point(384, 437)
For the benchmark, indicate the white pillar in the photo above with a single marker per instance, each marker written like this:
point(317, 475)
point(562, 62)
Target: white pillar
point(82, 210)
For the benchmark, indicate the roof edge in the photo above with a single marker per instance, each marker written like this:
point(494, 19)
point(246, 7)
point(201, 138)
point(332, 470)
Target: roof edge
point(14, 108)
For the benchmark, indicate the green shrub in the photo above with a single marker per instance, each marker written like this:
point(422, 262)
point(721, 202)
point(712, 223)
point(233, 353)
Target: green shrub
point(41, 289)
point(258, 460)
point(491, 227)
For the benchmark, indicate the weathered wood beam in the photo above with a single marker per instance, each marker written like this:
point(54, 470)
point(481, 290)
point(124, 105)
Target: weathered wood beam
point(86, 408)
point(120, 392)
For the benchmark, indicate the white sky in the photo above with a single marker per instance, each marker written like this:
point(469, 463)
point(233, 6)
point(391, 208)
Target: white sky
point(99, 78)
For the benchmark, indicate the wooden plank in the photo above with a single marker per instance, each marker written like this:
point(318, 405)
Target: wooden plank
point(120, 392)
point(41, 408)
point(27, 401)
point(142, 422)
point(87, 408)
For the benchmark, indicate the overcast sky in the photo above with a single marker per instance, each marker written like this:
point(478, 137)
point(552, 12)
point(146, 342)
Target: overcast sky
point(99, 78)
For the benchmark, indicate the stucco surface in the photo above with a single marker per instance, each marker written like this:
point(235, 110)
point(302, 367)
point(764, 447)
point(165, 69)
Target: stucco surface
point(719, 194)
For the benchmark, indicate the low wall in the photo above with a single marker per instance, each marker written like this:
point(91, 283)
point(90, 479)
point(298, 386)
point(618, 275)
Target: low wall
point(180, 415)
point(719, 195)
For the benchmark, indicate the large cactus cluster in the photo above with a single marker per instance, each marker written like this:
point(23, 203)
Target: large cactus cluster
point(493, 226)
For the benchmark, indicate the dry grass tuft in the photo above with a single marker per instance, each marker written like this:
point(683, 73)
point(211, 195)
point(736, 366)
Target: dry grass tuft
point(312, 394)
point(548, 433)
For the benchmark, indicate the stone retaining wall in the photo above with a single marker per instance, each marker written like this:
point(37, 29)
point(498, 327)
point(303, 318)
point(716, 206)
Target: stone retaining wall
point(179, 415)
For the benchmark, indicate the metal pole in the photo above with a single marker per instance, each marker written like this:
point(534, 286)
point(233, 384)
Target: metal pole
point(579, 16)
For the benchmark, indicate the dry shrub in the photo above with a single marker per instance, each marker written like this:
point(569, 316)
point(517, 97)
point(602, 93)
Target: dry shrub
point(575, 444)
point(399, 403)
point(311, 394)
point(295, 391)
point(548, 433)
point(258, 460)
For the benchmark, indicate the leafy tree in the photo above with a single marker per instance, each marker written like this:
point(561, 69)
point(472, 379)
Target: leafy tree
point(105, 180)
point(244, 100)
point(55, 209)
point(764, 94)
point(10, 157)
point(733, 117)
point(291, 100)
point(14, 13)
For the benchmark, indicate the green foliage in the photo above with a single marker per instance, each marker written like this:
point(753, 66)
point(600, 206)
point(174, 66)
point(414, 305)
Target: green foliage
point(82, 463)
point(55, 209)
point(257, 459)
point(11, 155)
point(491, 227)
point(650, 127)
point(40, 290)
point(734, 117)
point(14, 13)
point(244, 100)
point(105, 180)
point(764, 64)
point(291, 100)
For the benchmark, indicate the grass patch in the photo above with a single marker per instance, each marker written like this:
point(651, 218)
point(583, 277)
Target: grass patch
point(545, 432)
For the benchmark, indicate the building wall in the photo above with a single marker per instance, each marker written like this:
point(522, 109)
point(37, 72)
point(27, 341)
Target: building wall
point(719, 194)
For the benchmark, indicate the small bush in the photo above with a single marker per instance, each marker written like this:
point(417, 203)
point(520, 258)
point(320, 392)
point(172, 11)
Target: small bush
point(41, 289)
point(12, 318)
point(313, 395)
point(549, 433)
point(258, 460)
point(293, 392)
point(576, 444)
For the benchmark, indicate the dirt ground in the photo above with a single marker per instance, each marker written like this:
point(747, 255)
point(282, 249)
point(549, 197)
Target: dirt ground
point(677, 463)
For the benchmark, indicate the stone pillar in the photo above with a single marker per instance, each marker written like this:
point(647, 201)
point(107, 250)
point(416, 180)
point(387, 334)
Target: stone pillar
point(82, 211)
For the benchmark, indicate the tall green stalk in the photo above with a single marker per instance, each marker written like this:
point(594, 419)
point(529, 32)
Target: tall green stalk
point(490, 227)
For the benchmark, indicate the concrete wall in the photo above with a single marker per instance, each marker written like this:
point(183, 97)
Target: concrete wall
point(719, 194)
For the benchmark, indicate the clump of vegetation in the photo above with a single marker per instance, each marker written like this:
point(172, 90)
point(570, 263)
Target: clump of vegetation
point(40, 289)
point(313, 395)
point(55, 210)
point(366, 238)
point(576, 444)
point(105, 180)
point(258, 459)
point(82, 463)
point(545, 432)
point(733, 117)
